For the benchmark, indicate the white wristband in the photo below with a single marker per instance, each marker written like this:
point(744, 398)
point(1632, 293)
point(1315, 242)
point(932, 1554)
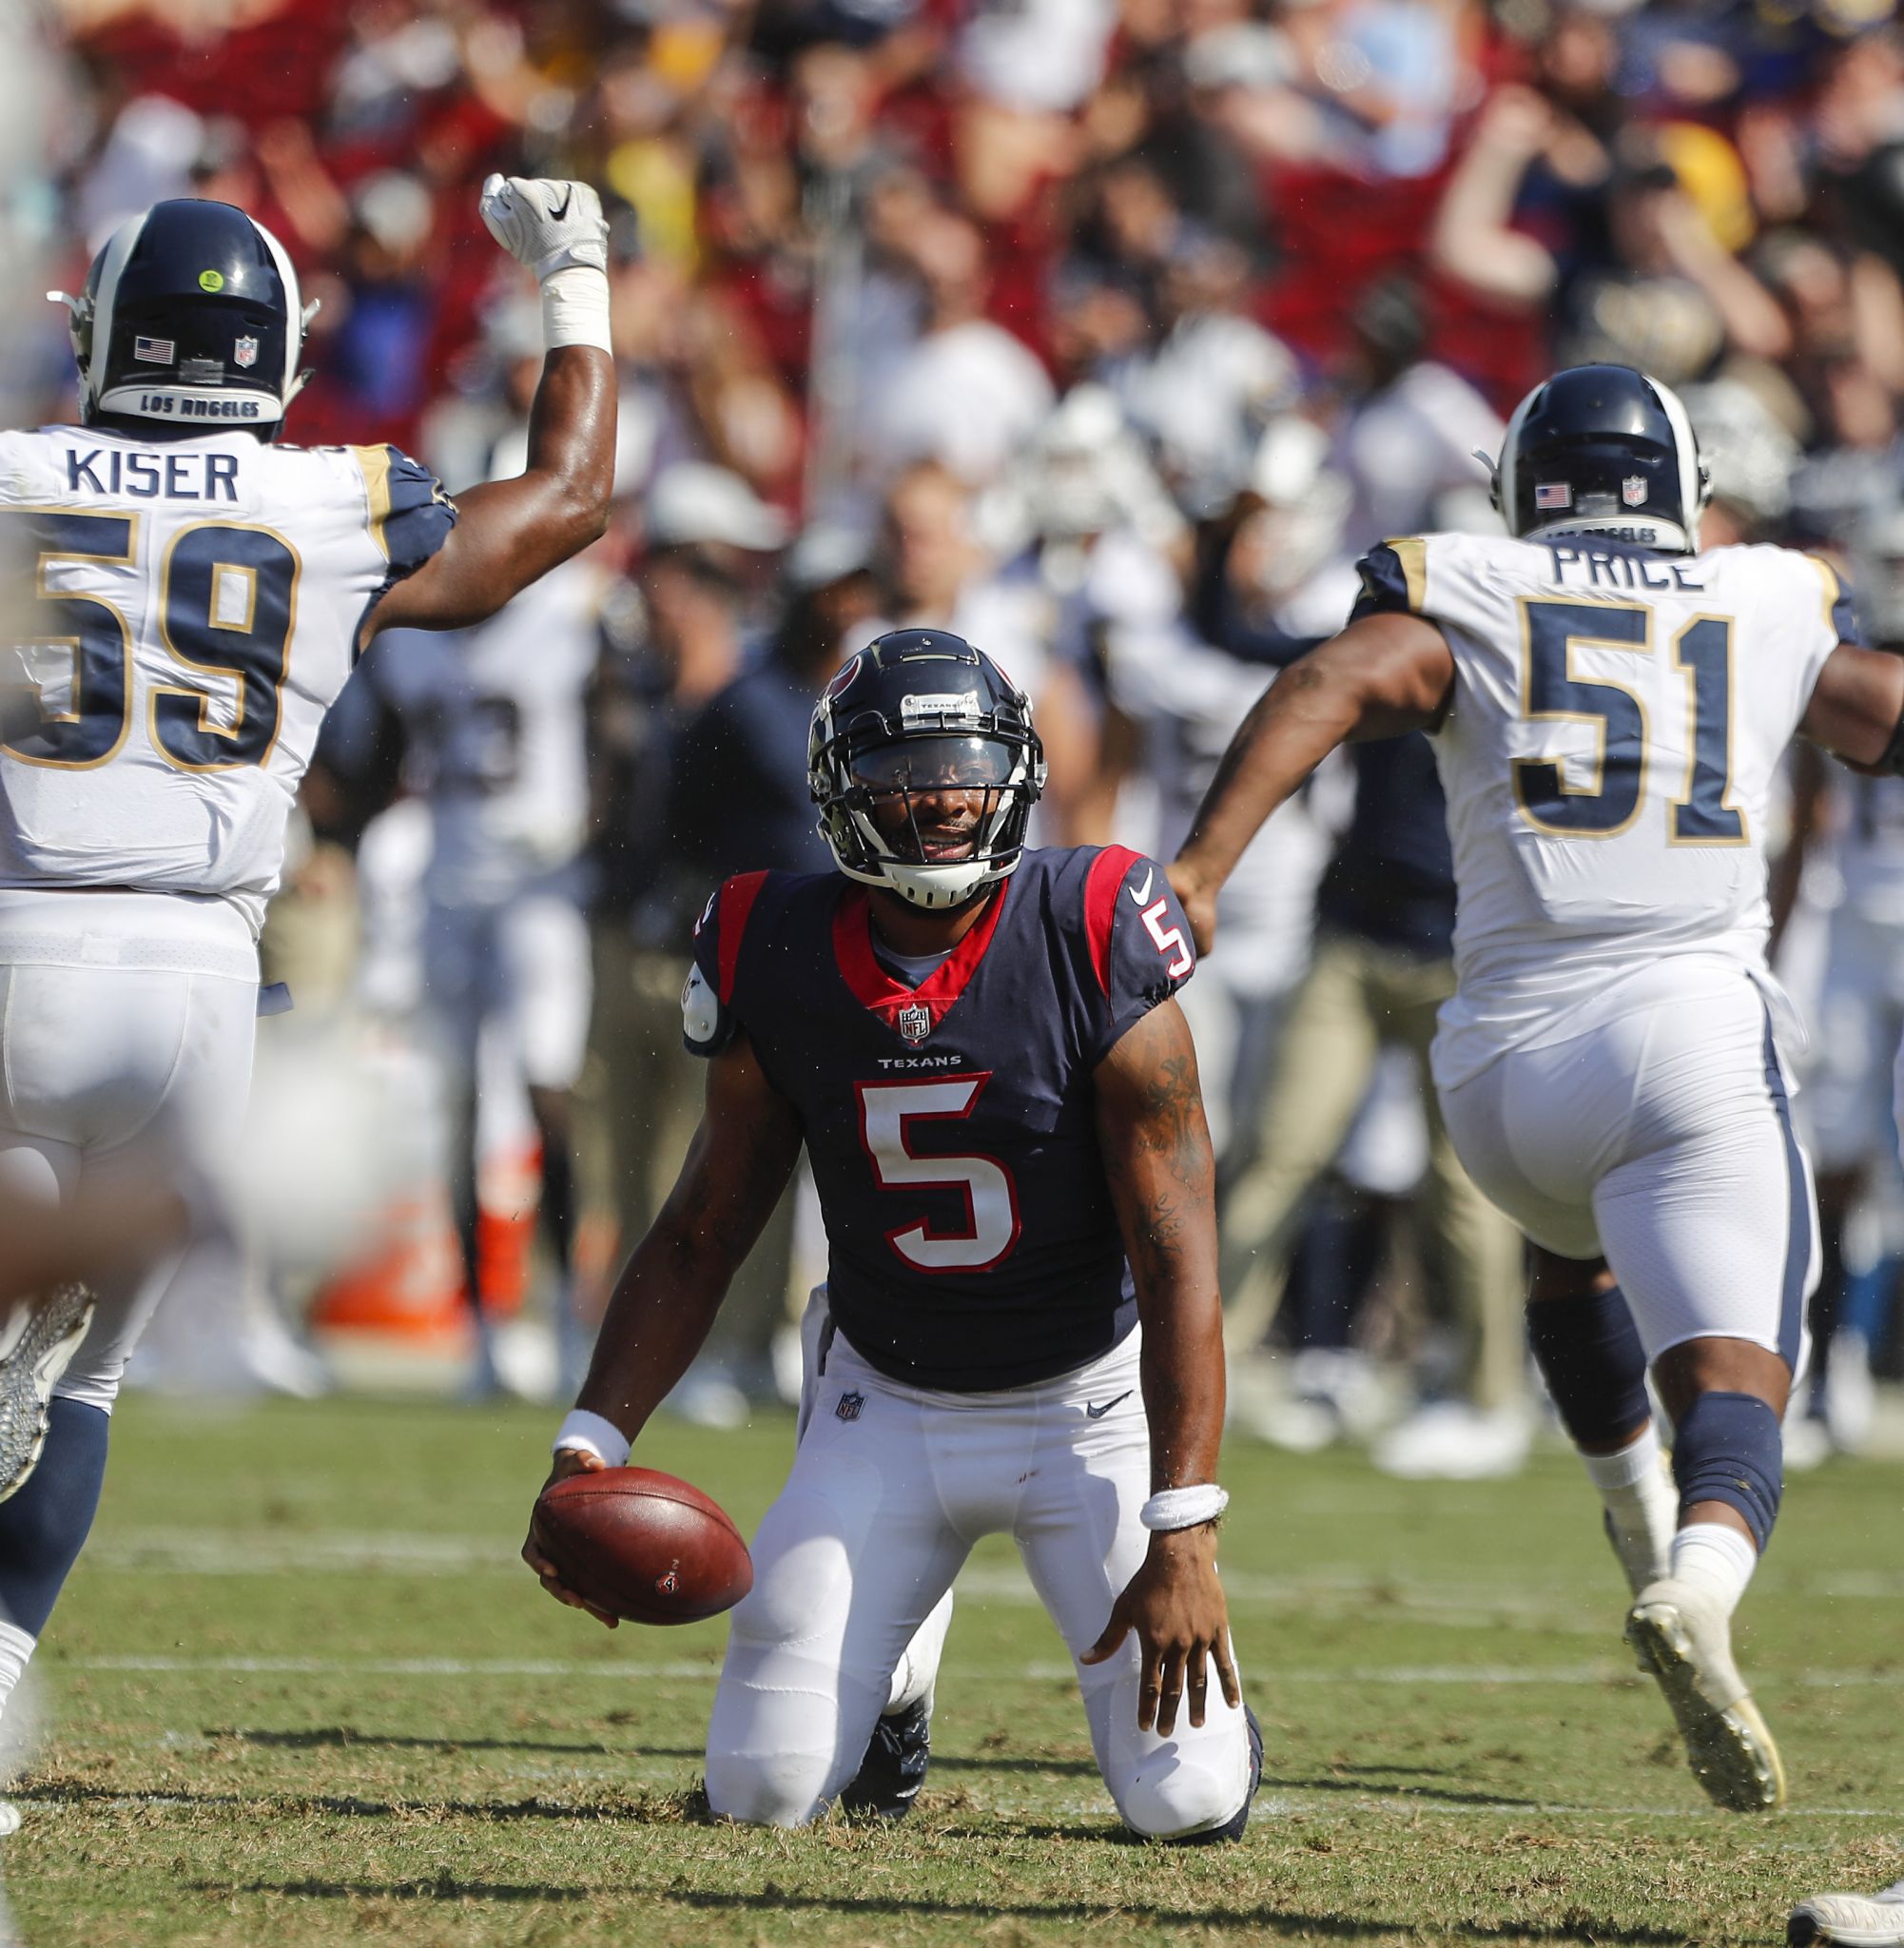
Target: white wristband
point(576, 307)
point(593, 1434)
point(1184, 1507)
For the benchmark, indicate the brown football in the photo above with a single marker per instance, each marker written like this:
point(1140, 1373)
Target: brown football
point(643, 1545)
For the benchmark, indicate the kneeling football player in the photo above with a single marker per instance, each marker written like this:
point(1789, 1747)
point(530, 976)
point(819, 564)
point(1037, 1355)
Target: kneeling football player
point(980, 1048)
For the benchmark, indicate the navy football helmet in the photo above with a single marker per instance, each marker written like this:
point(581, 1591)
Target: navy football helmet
point(921, 710)
point(1603, 450)
point(190, 317)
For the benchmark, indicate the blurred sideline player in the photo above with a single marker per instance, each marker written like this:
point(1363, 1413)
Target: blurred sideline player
point(1609, 1066)
point(1859, 823)
point(494, 720)
point(981, 1047)
point(202, 593)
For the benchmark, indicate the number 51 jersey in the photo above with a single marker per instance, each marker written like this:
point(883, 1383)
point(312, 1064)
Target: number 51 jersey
point(972, 1241)
point(188, 611)
point(1617, 720)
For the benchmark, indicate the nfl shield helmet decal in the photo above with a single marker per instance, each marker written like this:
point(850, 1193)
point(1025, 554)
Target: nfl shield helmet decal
point(244, 352)
point(1633, 490)
point(915, 1025)
point(849, 1406)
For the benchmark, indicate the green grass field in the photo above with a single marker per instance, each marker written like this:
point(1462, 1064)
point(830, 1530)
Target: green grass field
point(299, 1690)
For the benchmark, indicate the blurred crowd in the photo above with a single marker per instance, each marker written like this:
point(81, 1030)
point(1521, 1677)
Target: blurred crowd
point(1108, 332)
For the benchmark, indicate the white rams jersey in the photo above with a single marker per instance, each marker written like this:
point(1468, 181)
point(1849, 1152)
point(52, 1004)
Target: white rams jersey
point(194, 607)
point(497, 718)
point(1616, 719)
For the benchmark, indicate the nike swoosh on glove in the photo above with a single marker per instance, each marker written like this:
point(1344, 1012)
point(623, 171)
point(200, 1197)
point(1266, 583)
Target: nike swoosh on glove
point(546, 224)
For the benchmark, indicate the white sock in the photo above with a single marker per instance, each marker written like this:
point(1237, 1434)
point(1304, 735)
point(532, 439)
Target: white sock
point(917, 1671)
point(1715, 1557)
point(1643, 1507)
point(15, 1647)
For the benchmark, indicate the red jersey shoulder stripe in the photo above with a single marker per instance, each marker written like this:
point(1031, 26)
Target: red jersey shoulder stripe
point(1100, 904)
point(736, 903)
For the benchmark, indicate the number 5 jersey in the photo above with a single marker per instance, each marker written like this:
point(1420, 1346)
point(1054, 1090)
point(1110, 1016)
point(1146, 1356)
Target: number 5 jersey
point(188, 611)
point(951, 1125)
point(1616, 719)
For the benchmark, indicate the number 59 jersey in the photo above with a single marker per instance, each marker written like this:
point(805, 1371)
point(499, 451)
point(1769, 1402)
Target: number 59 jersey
point(1617, 720)
point(951, 1125)
point(188, 611)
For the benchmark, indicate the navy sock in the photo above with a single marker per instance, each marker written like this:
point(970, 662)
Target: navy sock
point(1589, 1354)
point(45, 1526)
point(1728, 1449)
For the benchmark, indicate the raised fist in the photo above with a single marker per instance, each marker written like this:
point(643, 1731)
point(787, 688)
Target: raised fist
point(547, 225)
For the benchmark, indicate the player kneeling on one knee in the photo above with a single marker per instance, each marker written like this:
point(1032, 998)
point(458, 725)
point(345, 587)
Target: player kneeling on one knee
point(980, 1048)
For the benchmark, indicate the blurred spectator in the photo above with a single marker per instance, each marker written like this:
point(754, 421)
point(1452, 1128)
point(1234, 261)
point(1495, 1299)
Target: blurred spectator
point(1410, 427)
point(1383, 967)
point(936, 573)
point(740, 801)
point(673, 642)
point(968, 394)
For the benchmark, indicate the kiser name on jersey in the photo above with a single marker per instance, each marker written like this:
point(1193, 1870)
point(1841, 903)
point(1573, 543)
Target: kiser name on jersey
point(951, 1127)
point(177, 476)
point(188, 612)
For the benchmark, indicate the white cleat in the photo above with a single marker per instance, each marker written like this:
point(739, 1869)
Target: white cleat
point(1681, 1637)
point(1852, 1920)
point(38, 1339)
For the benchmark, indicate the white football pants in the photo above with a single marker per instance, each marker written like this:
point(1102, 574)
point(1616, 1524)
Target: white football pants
point(1662, 1139)
point(523, 962)
point(102, 1043)
point(891, 1486)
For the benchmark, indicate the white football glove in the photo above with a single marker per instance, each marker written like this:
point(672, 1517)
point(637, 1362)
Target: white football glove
point(545, 226)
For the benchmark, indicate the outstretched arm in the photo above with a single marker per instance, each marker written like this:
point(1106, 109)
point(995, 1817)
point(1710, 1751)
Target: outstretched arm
point(1156, 1153)
point(1856, 708)
point(509, 533)
point(1383, 674)
point(673, 1285)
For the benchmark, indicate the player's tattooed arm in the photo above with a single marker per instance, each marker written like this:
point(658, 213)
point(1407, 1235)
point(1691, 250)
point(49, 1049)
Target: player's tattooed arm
point(510, 533)
point(1385, 673)
point(665, 1300)
point(1157, 1159)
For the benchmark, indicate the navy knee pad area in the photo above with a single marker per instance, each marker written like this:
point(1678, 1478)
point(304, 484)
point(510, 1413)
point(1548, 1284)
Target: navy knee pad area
point(1589, 1354)
point(1728, 1449)
point(45, 1526)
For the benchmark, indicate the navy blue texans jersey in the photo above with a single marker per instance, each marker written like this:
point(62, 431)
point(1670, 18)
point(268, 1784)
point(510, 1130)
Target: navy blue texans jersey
point(972, 1240)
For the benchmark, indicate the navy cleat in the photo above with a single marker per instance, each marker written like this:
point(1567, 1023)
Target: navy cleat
point(38, 1339)
point(1233, 1827)
point(894, 1768)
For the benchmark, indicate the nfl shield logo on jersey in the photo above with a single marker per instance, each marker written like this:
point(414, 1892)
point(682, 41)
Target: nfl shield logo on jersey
point(915, 1025)
point(849, 1406)
point(244, 352)
point(1633, 490)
